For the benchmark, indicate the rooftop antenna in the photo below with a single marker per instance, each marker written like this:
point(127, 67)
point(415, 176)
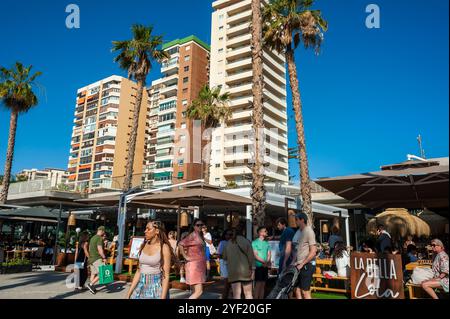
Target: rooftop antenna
point(422, 151)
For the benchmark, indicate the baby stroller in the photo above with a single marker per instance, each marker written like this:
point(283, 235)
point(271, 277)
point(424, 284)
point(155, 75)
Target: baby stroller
point(285, 284)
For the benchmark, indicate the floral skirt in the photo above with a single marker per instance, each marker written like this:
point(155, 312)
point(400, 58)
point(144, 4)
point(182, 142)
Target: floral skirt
point(149, 287)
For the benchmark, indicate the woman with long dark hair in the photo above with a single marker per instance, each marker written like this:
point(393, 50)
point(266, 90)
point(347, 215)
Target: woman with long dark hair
point(342, 259)
point(81, 258)
point(151, 280)
point(192, 248)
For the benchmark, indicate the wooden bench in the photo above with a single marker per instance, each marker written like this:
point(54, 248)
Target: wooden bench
point(416, 291)
point(321, 279)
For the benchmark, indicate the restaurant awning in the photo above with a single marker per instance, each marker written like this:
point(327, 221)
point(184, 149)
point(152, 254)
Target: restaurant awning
point(33, 213)
point(412, 184)
point(195, 197)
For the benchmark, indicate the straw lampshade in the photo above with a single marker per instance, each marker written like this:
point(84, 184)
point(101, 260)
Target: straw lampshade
point(400, 223)
point(233, 219)
point(325, 229)
point(72, 220)
point(291, 219)
point(184, 219)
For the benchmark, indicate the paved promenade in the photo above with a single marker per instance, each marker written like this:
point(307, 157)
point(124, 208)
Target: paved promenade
point(52, 285)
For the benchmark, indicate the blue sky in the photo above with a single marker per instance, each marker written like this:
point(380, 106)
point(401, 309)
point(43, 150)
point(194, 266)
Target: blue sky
point(366, 97)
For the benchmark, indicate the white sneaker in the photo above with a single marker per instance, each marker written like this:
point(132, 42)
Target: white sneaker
point(182, 280)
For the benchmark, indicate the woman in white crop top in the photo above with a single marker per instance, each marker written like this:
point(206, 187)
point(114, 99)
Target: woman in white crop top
point(151, 280)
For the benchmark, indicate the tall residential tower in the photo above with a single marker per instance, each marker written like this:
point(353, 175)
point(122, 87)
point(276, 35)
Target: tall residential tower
point(101, 131)
point(173, 142)
point(231, 69)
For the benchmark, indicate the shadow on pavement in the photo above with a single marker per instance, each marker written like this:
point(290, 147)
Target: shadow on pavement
point(36, 280)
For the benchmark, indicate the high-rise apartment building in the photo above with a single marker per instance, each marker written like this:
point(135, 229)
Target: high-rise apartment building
point(231, 69)
point(173, 142)
point(101, 131)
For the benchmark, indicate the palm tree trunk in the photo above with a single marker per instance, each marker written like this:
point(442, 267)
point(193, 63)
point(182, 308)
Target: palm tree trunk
point(305, 183)
point(128, 182)
point(9, 156)
point(206, 164)
point(258, 189)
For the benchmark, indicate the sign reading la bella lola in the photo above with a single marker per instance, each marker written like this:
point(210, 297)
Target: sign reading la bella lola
point(376, 276)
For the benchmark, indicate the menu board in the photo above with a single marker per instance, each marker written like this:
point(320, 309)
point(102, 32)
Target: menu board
point(135, 246)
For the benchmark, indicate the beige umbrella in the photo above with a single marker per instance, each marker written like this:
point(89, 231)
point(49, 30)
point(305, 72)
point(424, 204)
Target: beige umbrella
point(399, 223)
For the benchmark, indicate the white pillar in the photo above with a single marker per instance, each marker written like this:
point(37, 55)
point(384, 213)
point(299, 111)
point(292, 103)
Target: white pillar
point(248, 223)
point(347, 231)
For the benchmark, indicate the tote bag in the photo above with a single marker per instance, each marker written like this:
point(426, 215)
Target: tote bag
point(106, 274)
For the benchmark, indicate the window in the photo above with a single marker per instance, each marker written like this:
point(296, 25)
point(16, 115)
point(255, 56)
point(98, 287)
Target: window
point(217, 165)
point(167, 117)
point(186, 80)
point(188, 48)
point(183, 125)
point(185, 90)
point(220, 28)
point(187, 58)
point(181, 162)
point(183, 114)
point(221, 39)
point(221, 17)
point(86, 152)
point(185, 102)
point(168, 105)
point(218, 138)
point(220, 50)
point(217, 179)
point(182, 137)
point(182, 150)
point(186, 69)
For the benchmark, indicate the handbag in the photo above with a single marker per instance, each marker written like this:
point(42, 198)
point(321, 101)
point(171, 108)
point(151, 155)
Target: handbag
point(421, 274)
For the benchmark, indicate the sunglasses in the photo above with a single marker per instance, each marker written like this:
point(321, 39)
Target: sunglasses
point(199, 225)
point(433, 245)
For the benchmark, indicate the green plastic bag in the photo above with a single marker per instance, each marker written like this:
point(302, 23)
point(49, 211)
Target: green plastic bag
point(106, 274)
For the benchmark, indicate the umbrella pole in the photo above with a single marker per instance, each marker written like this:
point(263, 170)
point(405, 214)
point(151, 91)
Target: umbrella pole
point(178, 221)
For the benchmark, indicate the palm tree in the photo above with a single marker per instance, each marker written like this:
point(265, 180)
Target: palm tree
point(16, 94)
point(210, 107)
point(258, 189)
point(136, 57)
point(286, 24)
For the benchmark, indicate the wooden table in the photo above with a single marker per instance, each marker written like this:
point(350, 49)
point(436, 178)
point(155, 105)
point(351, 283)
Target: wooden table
point(325, 262)
point(423, 264)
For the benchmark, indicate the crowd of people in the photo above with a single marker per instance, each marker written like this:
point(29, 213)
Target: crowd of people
point(244, 266)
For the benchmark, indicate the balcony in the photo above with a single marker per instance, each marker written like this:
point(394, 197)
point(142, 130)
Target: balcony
point(240, 41)
point(170, 91)
point(240, 17)
point(165, 133)
point(241, 89)
point(170, 66)
point(239, 53)
point(238, 64)
point(239, 77)
point(239, 29)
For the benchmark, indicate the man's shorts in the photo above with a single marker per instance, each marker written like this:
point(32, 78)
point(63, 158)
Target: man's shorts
point(261, 274)
point(95, 266)
point(305, 277)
